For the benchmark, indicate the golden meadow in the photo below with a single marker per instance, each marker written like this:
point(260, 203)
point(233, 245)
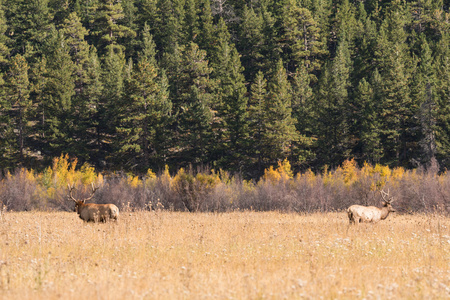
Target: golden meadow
point(233, 255)
point(283, 237)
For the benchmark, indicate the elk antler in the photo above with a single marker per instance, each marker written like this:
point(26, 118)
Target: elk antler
point(70, 192)
point(94, 188)
point(71, 188)
point(383, 194)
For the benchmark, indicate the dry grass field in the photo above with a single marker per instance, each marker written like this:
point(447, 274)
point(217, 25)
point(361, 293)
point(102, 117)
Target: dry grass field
point(239, 255)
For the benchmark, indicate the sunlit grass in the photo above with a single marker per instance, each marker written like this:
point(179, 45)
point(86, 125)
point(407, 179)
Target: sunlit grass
point(239, 255)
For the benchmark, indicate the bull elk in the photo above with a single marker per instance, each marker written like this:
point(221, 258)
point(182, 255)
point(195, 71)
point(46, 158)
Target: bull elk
point(91, 212)
point(371, 214)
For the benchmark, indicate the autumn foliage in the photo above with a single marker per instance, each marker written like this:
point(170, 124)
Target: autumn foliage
point(419, 190)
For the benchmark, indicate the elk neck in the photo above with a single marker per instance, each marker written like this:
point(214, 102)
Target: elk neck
point(384, 212)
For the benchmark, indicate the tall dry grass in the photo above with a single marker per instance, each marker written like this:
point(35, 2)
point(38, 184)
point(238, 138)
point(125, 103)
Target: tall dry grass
point(237, 255)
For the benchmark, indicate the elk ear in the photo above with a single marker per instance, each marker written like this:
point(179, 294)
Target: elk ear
point(384, 203)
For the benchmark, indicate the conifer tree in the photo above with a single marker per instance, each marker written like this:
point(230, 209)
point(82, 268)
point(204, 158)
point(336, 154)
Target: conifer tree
point(146, 13)
point(109, 29)
point(232, 109)
point(38, 82)
point(279, 126)
point(169, 25)
point(423, 91)
point(333, 108)
point(251, 42)
point(191, 21)
point(303, 113)
point(4, 105)
point(20, 105)
point(396, 109)
point(363, 61)
point(58, 91)
point(367, 124)
point(91, 105)
point(257, 104)
point(206, 26)
point(109, 103)
point(442, 69)
point(345, 23)
point(4, 50)
point(28, 24)
point(301, 36)
point(74, 34)
point(87, 11)
point(192, 98)
point(145, 111)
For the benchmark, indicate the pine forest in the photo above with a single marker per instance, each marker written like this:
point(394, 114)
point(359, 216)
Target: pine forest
point(230, 85)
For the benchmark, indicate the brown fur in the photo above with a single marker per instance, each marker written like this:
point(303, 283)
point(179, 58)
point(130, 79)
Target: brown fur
point(91, 212)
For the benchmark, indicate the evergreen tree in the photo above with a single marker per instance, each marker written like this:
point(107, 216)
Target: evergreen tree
point(74, 34)
point(146, 13)
point(251, 42)
point(58, 91)
point(333, 108)
point(90, 106)
point(4, 104)
point(206, 26)
point(145, 112)
point(271, 49)
point(232, 110)
point(423, 91)
point(192, 108)
point(60, 9)
point(38, 83)
point(279, 126)
point(86, 84)
point(442, 69)
point(87, 11)
point(366, 43)
point(109, 29)
point(191, 21)
point(396, 108)
point(109, 103)
point(367, 124)
point(18, 96)
point(28, 24)
point(4, 50)
point(345, 24)
point(303, 113)
point(257, 104)
point(302, 41)
point(169, 25)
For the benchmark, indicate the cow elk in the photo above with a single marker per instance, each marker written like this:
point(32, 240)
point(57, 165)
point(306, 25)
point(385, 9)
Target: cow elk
point(91, 212)
point(371, 214)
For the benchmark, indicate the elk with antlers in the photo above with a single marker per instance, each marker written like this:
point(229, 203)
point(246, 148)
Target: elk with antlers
point(371, 214)
point(91, 212)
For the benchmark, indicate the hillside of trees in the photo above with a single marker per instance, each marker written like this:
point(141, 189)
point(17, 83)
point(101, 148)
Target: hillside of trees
point(233, 85)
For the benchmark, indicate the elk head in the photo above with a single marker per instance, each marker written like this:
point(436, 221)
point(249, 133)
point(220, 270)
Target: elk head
point(79, 203)
point(387, 202)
